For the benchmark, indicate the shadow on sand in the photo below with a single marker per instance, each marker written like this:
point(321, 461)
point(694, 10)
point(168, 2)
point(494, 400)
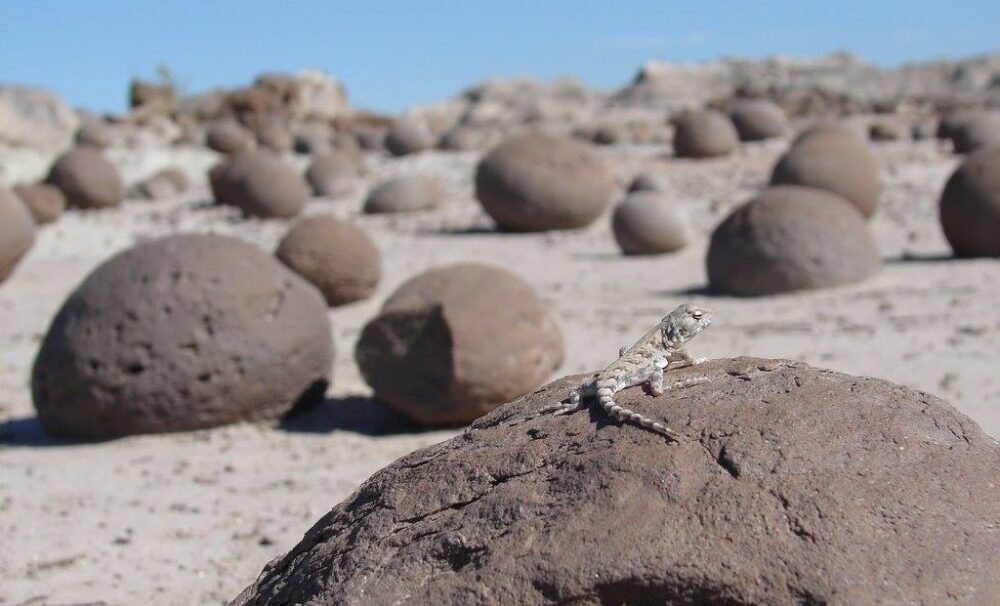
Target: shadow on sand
point(354, 413)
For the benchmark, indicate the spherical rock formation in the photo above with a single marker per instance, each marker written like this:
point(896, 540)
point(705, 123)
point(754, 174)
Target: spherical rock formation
point(164, 184)
point(649, 223)
point(970, 205)
point(182, 333)
point(835, 162)
point(465, 138)
point(828, 127)
point(87, 179)
point(704, 134)
point(260, 183)
point(334, 173)
point(784, 491)
point(758, 119)
point(452, 343)
point(46, 203)
point(790, 238)
point(976, 131)
point(228, 137)
point(649, 181)
point(274, 135)
point(93, 134)
point(538, 182)
point(336, 257)
point(408, 137)
point(406, 193)
point(17, 232)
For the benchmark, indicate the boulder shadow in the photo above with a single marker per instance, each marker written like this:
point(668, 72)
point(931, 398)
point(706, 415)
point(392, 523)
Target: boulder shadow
point(920, 258)
point(358, 414)
point(701, 290)
point(28, 432)
point(469, 230)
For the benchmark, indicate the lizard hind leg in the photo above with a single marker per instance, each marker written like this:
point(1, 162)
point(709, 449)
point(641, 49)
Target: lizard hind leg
point(623, 414)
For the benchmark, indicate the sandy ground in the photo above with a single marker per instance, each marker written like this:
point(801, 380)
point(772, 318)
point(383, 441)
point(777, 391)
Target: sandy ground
point(192, 518)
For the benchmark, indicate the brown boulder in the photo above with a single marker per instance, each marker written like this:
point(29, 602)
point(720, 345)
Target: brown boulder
point(17, 232)
point(970, 205)
point(406, 193)
point(649, 181)
point(334, 256)
point(181, 333)
point(260, 183)
point(408, 137)
point(976, 131)
point(704, 134)
point(334, 173)
point(46, 203)
point(93, 134)
point(758, 119)
point(454, 342)
point(538, 182)
point(649, 223)
point(794, 485)
point(228, 137)
point(835, 162)
point(790, 238)
point(274, 135)
point(87, 179)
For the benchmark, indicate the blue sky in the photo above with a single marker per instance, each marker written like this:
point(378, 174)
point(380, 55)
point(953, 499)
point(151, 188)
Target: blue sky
point(393, 54)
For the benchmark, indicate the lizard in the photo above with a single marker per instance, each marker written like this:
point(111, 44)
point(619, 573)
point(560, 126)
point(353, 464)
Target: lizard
point(659, 349)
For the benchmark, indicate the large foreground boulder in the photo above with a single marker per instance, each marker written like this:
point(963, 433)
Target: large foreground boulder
point(794, 485)
point(182, 333)
point(17, 231)
point(970, 206)
point(454, 342)
point(790, 238)
point(538, 182)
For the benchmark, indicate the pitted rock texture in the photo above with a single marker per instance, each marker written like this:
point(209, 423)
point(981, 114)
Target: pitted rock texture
point(182, 333)
point(795, 485)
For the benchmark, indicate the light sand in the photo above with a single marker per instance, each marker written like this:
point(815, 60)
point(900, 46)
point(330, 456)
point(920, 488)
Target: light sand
point(192, 518)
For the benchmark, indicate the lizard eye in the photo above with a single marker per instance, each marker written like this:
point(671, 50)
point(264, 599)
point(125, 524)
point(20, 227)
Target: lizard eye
point(696, 314)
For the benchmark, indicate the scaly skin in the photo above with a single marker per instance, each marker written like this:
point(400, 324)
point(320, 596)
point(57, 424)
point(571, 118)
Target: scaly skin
point(646, 361)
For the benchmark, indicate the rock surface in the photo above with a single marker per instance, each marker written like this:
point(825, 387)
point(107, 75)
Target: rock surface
point(334, 173)
point(181, 333)
point(704, 134)
point(453, 342)
point(405, 193)
point(35, 118)
point(794, 485)
point(758, 119)
point(45, 202)
point(649, 223)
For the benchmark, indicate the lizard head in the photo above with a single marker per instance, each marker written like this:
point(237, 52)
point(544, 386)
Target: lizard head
point(685, 322)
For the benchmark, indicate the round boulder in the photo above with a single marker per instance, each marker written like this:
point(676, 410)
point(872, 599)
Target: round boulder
point(970, 205)
point(538, 182)
point(228, 137)
point(182, 333)
point(407, 137)
point(792, 485)
point(790, 238)
point(87, 179)
point(260, 183)
point(454, 342)
point(649, 181)
point(836, 162)
point(46, 203)
point(334, 256)
point(649, 223)
point(334, 173)
point(17, 232)
point(704, 134)
point(406, 193)
point(274, 135)
point(93, 134)
point(758, 119)
point(976, 131)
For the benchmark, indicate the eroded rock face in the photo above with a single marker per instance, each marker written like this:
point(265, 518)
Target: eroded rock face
point(794, 485)
point(453, 342)
point(182, 333)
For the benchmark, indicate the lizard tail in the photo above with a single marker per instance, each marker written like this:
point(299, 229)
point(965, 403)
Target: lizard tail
point(605, 397)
